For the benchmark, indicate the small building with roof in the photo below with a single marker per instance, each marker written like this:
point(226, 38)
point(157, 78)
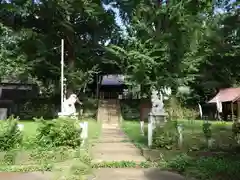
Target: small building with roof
point(230, 99)
point(12, 92)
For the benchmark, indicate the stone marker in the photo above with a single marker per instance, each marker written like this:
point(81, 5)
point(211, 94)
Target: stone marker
point(157, 116)
point(3, 113)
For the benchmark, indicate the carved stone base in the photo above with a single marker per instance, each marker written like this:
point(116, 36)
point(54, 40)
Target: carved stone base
point(67, 115)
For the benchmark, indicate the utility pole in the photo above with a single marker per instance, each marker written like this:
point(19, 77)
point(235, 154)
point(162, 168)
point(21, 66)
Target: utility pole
point(62, 74)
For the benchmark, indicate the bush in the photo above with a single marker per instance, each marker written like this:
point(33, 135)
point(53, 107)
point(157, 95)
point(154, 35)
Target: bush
point(130, 109)
point(29, 110)
point(58, 132)
point(223, 167)
point(236, 131)
point(166, 136)
point(179, 163)
point(10, 135)
point(177, 111)
point(207, 130)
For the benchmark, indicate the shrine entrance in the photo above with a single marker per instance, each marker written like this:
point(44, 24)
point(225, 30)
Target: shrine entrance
point(111, 86)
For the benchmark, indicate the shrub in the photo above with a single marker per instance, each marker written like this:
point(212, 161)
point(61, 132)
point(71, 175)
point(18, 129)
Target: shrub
point(58, 132)
point(10, 135)
point(236, 131)
point(223, 167)
point(177, 111)
point(130, 109)
point(179, 163)
point(219, 168)
point(166, 136)
point(207, 130)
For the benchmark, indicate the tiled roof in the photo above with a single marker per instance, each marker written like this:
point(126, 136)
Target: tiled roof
point(113, 79)
point(227, 95)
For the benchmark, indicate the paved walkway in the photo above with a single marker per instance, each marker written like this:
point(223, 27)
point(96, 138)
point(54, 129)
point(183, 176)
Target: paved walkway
point(134, 174)
point(114, 146)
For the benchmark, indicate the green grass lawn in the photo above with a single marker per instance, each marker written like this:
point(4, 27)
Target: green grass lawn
point(132, 129)
point(30, 128)
point(192, 132)
point(30, 155)
point(94, 130)
point(194, 158)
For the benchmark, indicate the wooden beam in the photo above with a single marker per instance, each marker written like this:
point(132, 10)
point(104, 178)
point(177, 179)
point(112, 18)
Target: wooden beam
point(232, 111)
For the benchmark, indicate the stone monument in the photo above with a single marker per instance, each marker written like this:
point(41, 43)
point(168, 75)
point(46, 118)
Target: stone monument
point(3, 113)
point(157, 116)
point(69, 108)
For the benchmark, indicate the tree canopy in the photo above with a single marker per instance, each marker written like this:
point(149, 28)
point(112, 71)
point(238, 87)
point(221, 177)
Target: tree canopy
point(181, 43)
point(165, 43)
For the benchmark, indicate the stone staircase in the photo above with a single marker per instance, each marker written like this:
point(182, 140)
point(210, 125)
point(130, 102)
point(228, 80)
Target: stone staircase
point(114, 146)
point(109, 111)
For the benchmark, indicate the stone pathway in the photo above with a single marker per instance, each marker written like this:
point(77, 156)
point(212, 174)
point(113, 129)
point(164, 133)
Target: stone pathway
point(112, 146)
point(26, 176)
point(115, 146)
point(134, 174)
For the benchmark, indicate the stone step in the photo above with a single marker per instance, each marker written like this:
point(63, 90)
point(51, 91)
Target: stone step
point(121, 151)
point(133, 174)
point(113, 134)
point(26, 176)
point(123, 146)
point(117, 157)
point(113, 140)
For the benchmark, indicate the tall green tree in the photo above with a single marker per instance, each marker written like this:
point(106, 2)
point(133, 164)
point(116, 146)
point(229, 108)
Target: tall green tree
point(13, 64)
point(85, 26)
point(180, 43)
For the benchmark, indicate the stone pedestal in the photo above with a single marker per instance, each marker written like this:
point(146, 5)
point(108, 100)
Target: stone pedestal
point(157, 116)
point(155, 120)
point(84, 133)
point(3, 113)
point(67, 115)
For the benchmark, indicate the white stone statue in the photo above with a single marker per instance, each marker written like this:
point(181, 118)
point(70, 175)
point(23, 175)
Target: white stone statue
point(157, 103)
point(69, 108)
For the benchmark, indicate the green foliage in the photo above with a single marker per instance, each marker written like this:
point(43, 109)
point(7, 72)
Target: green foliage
point(27, 168)
point(166, 136)
point(13, 63)
point(130, 109)
point(132, 129)
point(182, 43)
point(59, 132)
point(56, 154)
point(236, 131)
point(90, 107)
point(179, 163)
point(29, 110)
point(10, 157)
point(176, 110)
point(10, 135)
point(122, 164)
point(206, 168)
point(207, 130)
point(39, 27)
